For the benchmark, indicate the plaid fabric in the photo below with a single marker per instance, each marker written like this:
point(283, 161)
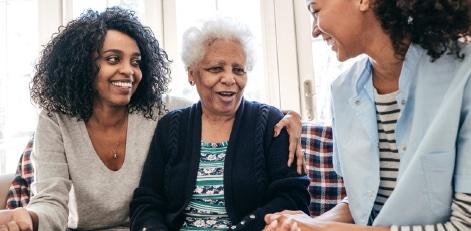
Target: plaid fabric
point(326, 188)
point(19, 192)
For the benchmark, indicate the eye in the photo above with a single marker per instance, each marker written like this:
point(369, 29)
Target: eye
point(113, 59)
point(238, 71)
point(313, 11)
point(136, 61)
point(215, 69)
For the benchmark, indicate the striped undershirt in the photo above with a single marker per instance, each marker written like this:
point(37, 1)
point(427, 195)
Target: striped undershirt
point(387, 114)
point(207, 210)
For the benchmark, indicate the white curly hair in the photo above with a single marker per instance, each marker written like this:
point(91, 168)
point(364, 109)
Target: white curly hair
point(196, 38)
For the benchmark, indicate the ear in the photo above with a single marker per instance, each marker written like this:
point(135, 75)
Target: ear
point(364, 4)
point(191, 73)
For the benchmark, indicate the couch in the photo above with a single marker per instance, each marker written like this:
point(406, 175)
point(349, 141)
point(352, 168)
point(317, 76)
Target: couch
point(326, 188)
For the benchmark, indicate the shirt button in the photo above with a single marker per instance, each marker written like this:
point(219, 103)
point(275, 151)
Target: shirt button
point(403, 148)
point(370, 194)
point(403, 102)
point(252, 216)
point(357, 102)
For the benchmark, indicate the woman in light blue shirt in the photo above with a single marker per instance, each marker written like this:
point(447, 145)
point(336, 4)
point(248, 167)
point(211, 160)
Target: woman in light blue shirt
point(401, 115)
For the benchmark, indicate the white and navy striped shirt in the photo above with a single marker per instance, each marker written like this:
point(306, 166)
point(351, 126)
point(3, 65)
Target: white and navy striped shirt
point(387, 114)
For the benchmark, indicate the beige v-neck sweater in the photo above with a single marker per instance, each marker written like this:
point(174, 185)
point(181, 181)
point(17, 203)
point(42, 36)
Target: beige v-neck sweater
point(72, 187)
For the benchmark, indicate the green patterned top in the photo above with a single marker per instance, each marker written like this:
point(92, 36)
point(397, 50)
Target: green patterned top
point(206, 210)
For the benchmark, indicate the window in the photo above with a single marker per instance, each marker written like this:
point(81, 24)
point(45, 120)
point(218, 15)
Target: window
point(19, 46)
point(283, 64)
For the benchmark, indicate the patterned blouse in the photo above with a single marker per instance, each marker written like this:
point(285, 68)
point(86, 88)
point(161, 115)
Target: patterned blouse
point(206, 210)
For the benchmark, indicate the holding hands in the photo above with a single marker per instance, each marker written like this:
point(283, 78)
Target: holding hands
point(17, 219)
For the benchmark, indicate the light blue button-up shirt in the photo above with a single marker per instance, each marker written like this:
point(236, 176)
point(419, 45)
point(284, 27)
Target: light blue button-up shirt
point(433, 136)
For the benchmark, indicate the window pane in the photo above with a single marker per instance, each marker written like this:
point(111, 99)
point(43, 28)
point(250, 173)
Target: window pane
point(191, 11)
point(20, 42)
point(326, 69)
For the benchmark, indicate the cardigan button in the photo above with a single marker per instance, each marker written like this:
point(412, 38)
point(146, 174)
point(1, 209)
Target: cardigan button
point(252, 216)
point(233, 227)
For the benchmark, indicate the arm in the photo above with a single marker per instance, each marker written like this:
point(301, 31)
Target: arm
point(292, 122)
point(49, 205)
point(147, 207)
point(286, 189)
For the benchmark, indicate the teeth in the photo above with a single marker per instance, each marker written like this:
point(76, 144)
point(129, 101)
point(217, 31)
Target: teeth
point(226, 93)
point(122, 84)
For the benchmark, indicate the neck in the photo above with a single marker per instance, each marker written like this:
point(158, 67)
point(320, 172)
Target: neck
point(108, 116)
point(217, 119)
point(387, 65)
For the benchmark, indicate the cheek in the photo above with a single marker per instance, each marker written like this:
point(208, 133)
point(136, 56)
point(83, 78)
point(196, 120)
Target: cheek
point(242, 83)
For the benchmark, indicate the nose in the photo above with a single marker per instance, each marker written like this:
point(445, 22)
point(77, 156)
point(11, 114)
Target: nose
point(127, 69)
point(315, 28)
point(228, 78)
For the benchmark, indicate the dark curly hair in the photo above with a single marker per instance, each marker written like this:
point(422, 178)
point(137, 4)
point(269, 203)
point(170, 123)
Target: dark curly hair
point(435, 25)
point(65, 74)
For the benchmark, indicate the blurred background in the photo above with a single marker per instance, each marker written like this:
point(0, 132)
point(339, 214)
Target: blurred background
point(293, 71)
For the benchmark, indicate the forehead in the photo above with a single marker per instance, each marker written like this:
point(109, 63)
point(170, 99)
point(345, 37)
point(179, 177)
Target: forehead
point(225, 49)
point(118, 40)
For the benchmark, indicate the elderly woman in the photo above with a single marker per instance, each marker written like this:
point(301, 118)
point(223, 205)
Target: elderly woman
point(402, 115)
point(215, 165)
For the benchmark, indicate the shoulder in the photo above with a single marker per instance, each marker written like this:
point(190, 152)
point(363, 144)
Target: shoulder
point(177, 115)
point(257, 109)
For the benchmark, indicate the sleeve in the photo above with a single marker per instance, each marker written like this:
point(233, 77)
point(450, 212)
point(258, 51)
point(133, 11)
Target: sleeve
point(460, 218)
point(462, 177)
point(335, 157)
point(147, 207)
point(52, 183)
point(286, 189)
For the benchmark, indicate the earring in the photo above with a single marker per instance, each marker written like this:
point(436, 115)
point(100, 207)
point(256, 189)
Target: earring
point(192, 82)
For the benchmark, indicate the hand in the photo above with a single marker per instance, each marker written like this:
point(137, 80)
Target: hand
point(15, 220)
point(292, 122)
point(291, 221)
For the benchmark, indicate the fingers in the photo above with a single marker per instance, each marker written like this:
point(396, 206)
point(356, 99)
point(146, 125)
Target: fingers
point(293, 142)
point(12, 226)
point(22, 219)
point(300, 166)
point(280, 221)
point(279, 126)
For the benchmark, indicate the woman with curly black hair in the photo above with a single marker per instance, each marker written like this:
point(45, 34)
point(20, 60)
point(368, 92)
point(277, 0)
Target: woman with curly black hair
point(100, 82)
point(402, 115)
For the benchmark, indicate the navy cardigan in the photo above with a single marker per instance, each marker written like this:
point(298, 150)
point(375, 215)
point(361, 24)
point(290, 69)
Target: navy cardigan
point(257, 179)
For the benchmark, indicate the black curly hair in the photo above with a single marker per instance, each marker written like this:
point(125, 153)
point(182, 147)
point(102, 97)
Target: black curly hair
point(435, 25)
point(65, 74)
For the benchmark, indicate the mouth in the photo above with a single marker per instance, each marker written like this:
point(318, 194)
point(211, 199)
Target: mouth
point(125, 84)
point(226, 93)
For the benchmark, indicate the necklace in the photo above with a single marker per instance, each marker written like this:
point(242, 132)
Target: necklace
point(114, 152)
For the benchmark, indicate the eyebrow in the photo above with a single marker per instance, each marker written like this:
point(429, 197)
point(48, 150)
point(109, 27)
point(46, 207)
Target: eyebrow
point(120, 52)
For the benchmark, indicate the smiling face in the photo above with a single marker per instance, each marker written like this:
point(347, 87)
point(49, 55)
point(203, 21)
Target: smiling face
point(119, 73)
point(340, 23)
point(220, 77)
